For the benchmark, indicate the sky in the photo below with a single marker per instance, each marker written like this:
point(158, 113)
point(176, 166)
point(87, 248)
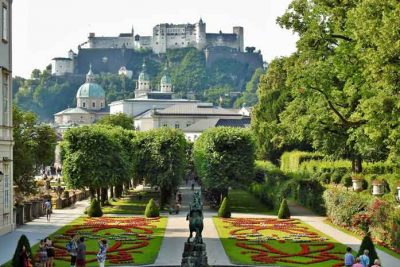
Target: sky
point(44, 29)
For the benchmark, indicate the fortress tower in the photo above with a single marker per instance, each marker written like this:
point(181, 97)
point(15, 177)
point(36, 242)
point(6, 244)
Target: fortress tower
point(201, 37)
point(166, 82)
point(240, 37)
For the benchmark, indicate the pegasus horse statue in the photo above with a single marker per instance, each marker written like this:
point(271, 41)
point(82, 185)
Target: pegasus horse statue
point(195, 218)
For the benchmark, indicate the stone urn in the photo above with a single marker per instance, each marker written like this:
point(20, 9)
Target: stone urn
point(377, 188)
point(357, 182)
point(398, 192)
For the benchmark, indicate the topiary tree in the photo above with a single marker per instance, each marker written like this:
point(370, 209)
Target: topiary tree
point(95, 209)
point(224, 210)
point(284, 212)
point(23, 241)
point(151, 210)
point(368, 244)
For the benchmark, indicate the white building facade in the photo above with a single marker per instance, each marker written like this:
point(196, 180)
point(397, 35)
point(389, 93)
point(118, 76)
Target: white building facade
point(6, 137)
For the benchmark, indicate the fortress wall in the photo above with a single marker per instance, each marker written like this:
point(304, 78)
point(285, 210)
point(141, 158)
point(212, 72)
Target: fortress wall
point(111, 42)
point(254, 60)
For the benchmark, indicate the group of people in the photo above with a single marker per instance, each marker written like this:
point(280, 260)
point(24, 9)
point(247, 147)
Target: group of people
point(76, 247)
point(46, 254)
point(362, 261)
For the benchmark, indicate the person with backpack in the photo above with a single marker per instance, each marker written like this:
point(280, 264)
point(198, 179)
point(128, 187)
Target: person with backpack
point(72, 248)
point(101, 256)
point(364, 259)
point(81, 253)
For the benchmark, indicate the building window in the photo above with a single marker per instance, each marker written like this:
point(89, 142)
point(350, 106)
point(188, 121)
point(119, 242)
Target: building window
point(5, 99)
point(101, 104)
point(187, 124)
point(165, 125)
point(6, 191)
point(176, 125)
point(195, 138)
point(94, 104)
point(84, 104)
point(4, 30)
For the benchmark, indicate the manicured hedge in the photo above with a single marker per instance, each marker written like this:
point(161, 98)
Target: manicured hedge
point(290, 161)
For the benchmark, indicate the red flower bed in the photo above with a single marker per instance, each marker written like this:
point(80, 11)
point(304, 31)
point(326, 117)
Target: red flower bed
point(133, 235)
point(252, 236)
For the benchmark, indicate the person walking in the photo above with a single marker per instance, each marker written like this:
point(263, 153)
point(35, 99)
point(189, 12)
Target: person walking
point(348, 258)
point(364, 259)
point(50, 251)
point(101, 256)
point(81, 253)
point(25, 258)
point(179, 197)
point(47, 206)
point(43, 258)
point(357, 263)
point(377, 263)
point(72, 247)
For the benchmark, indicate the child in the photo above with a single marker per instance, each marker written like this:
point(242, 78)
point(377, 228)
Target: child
point(348, 258)
point(101, 256)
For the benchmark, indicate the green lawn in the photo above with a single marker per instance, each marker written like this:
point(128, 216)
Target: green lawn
point(130, 204)
point(262, 241)
point(243, 202)
point(131, 240)
point(347, 231)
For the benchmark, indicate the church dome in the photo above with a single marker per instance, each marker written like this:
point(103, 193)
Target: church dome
point(90, 90)
point(143, 76)
point(166, 79)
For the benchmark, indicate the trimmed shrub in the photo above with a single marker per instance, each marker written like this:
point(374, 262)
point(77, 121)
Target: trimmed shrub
point(224, 210)
point(151, 210)
point(284, 212)
point(291, 161)
point(346, 180)
point(95, 209)
point(23, 241)
point(368, 244)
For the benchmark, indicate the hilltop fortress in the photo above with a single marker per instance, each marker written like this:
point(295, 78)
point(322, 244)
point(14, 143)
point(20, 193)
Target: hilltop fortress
point(112, 54)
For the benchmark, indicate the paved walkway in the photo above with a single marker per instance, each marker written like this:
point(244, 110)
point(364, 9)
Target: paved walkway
point(318, 223)
point(39, 229)
point(177, 233)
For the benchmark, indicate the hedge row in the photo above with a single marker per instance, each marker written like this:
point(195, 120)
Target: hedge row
point(291, 161)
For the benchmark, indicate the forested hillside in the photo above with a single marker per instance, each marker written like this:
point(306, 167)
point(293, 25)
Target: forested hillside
point(45, 94)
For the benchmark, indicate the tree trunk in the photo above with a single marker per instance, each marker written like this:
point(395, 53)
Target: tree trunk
point(111, 191)
point(104, 195)
point(92, 192)
point(165, 195)
point(118, 191)
point(98, 194)
point(356, 165)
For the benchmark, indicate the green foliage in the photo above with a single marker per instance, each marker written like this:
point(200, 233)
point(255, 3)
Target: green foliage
point(224, 157)
point(342, 205)
point(119, 119)
point(291, 161)
point(95, 157)
point(151, 210)
point(16, 260)
point(367, 243)
point(284, 212)
point(34, 147)
point(160, 159)
point(94, 209)
point(249, 97)
point(224, 210)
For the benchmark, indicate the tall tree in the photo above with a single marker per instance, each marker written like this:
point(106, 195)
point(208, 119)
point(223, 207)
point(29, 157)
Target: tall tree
point(160, 159)
point(334, 103)
point(249, 97)
point(223, 158)
point(34, 148)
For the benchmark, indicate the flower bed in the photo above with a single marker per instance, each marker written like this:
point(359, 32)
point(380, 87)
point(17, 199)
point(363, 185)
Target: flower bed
point(131, 240)
point(271, 241)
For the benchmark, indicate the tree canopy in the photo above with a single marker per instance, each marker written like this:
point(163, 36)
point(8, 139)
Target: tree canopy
point(119, 119)
point(342, 81)
point(33, 149)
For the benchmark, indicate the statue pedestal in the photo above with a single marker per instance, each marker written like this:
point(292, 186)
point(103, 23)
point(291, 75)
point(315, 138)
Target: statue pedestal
point(194, 255)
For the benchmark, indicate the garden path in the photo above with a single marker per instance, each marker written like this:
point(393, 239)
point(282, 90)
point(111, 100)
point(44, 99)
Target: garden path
point(318, 223)
point(39, 229)
point(177, 233)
